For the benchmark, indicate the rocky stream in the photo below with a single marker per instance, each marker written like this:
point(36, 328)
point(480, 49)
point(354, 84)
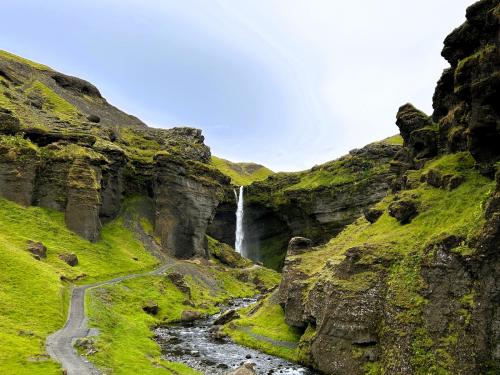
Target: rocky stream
point(194, 345)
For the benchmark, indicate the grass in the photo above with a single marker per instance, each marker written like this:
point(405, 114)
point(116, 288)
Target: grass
point(241, 174)
point(53, 102)
point(11, 56)
point(137, 146)
point(266, 330)
point(394, 140)
point(33, 298)
point(126, 344)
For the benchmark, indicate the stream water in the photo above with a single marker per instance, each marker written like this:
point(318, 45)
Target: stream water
point(193, 345)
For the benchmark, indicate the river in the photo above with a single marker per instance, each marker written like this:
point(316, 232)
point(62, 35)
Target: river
point(193, 345)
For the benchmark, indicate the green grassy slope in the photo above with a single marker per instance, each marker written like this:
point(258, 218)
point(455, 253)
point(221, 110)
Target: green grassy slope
point(241, 173)
point(34, 299)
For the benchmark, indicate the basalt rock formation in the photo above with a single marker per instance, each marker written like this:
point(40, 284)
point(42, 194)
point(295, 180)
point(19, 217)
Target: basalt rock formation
point(415, 289)
point(316, 204)
point(63, 147)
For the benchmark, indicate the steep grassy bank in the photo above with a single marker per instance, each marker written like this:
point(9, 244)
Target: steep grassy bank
point(34, 299)
point(263, 327)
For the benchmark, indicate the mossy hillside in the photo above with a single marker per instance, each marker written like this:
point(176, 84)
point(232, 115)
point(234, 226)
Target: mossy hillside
point(126, 343)
point(11, 56)
point(441, 212)
point(262, 327)
point(241, 174)
point(34, 299)
point(353, 168)
point(53, 102)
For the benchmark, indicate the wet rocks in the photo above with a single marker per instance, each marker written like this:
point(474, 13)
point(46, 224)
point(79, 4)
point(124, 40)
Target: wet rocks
point(38, 249)
point(403, 210)
point(69, 258)
point(247, 368)
point(151, 308)
point(227, 317)
point(188, 316)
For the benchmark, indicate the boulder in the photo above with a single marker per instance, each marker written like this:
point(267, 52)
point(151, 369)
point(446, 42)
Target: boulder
point(226, 317)
point(190, 316)
point(298, 245)
point(410, 119)
point(247, 368)
point(151, 308)
point(372, 214)
point(38, 249)
point(403, 210)
point(94, 118)
point(70, 258)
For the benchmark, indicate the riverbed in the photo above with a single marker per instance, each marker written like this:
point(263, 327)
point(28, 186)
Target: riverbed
point(193, 345)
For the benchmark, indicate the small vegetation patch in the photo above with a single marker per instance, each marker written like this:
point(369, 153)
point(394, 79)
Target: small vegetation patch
point(262, 327)
point(53, 102)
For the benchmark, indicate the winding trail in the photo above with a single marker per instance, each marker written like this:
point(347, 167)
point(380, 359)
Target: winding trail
point(59, 345)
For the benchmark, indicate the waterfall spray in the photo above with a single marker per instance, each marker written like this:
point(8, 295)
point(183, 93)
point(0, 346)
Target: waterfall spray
point(238, 246)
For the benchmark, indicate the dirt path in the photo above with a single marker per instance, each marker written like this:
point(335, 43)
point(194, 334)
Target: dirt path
point(60, 344)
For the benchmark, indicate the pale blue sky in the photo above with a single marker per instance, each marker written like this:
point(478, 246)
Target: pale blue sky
point(286, 83)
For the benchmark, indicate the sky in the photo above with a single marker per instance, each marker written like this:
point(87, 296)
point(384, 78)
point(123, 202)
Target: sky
point(284, 83)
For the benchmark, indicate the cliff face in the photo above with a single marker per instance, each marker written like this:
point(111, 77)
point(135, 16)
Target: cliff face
point(466, 98)
point(316, 204)
point(415, 289)
point(62, 146)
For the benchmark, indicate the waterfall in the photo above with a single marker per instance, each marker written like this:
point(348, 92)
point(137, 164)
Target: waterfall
point(238, 246)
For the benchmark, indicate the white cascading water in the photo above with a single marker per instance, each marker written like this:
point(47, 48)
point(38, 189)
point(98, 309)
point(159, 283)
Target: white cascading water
point(238, 246)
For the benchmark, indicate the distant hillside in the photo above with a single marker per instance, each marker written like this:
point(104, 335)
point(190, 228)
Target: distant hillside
point(241, 173)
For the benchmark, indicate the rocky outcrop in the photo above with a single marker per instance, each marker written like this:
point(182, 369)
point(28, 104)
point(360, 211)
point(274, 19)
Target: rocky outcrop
point(430, 306)
point(298, 245)
point(286, 205)
point(184, 205)
point(63, 147)
point(466, 98)
point(84, 199)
